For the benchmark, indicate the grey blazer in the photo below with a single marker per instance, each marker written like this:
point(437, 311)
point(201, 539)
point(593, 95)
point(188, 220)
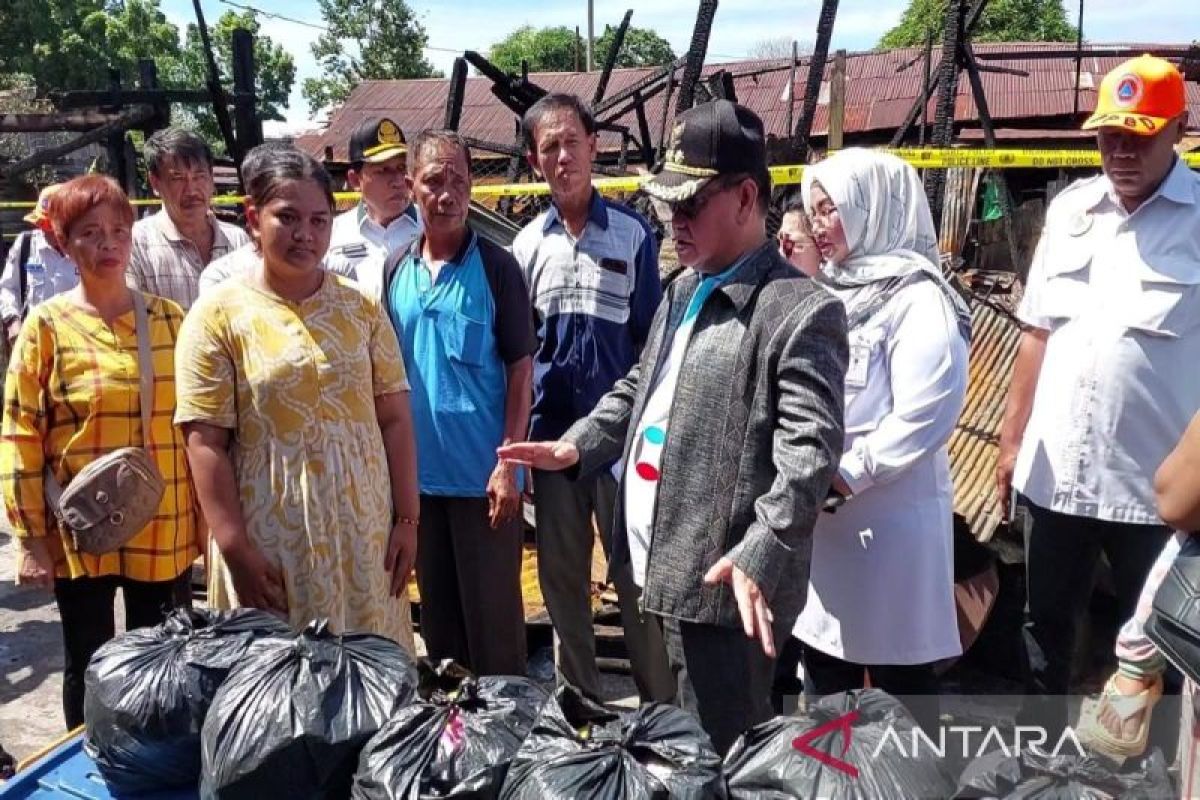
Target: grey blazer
point(755, 438)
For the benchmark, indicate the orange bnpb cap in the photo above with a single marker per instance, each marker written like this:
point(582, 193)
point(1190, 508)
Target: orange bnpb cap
point(1141, 95)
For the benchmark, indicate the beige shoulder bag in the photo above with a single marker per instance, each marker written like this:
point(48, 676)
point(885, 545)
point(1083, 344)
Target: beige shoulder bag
point(113, 498)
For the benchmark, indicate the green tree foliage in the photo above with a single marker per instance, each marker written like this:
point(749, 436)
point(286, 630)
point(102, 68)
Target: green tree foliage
point(545, 49)
point(70, 44)
point(1002, 21)
point(366, 41)
point(641, 48)
point(67, 44)
point(554, 49)
point(274, 71)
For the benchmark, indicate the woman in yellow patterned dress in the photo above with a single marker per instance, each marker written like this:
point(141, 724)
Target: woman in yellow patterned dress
point(293, 400)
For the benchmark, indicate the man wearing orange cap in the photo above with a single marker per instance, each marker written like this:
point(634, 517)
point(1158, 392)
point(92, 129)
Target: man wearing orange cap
point(1105, 380)
point(36, 269)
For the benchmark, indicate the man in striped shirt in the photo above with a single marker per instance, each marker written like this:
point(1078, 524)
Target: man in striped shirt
point(592, 270)
point(172, 247)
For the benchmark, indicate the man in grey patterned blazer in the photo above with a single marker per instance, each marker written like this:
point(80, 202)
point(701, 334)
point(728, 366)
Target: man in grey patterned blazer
point(729, 428)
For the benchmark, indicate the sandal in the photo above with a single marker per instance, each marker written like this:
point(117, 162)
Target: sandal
point(1093, 733)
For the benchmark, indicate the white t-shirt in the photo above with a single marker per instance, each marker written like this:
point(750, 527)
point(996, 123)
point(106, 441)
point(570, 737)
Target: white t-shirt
point(643, 467)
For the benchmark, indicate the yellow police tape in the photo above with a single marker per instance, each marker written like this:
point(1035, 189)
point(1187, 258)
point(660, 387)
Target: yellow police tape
point(921, 158)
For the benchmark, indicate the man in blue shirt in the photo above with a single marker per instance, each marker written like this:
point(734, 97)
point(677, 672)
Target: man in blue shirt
point(462, 315)
point(592, 270)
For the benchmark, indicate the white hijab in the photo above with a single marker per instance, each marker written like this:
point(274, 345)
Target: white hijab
point(886, 219)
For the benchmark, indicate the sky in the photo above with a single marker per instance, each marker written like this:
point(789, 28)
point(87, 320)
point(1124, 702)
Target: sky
point(740, 25)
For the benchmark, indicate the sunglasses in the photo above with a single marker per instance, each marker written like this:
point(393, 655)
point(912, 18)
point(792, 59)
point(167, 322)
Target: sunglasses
point(694, 205)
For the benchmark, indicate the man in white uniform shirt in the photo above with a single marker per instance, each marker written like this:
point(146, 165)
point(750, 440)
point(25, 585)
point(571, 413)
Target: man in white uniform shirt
point(1106, 377)
point(385, 222)
point(36, 268)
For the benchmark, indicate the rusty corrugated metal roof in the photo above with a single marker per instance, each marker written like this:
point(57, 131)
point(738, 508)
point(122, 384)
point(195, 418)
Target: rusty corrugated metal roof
point(878, 96)
point(975, 442)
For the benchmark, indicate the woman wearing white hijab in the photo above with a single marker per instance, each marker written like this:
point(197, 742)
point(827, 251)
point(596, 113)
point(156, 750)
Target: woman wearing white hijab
point(881, 596)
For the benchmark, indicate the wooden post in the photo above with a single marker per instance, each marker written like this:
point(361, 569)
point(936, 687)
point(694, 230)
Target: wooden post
point(943, 125)
point(695, 55)
point(215, 90)
point(644, 131)
point(245, 96)
point(610, 59)
point(455, 95)
point(816, 73)
point(114, 143)
point(791, 90)
point(926, 90)
point(837, 101)
point(577, 48)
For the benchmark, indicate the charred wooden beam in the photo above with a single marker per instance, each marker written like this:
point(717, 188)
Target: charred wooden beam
point(966, 55)
point(245, 99)
point(920, 105)
point(455, 95)
point(217, 92)
point(610, 59)
point(663, 76)
point(129, 119)
point(943, 122)
point(647, 145)
point(73, 122)
point(148, 81)
point(695, 55)
point(816, 73)
point(95, 98)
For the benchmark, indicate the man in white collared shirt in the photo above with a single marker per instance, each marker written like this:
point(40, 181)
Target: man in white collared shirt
point(172, 247)
point(1106, 378)
point(385, 222)
point(36, 268)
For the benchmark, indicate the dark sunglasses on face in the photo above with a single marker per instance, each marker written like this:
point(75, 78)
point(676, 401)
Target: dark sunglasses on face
point(694, 205)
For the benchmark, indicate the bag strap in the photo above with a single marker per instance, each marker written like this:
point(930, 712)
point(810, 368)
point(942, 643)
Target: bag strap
point(22, 279)
point(141, 321)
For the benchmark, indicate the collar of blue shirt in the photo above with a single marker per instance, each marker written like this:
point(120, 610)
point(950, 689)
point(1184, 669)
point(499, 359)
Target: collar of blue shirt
point(597, 214)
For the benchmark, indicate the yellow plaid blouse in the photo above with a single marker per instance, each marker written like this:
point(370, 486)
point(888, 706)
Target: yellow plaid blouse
point(73, 394)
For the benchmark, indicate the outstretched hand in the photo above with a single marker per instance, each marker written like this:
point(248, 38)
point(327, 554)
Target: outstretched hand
point(752, 605)
point(548, 456)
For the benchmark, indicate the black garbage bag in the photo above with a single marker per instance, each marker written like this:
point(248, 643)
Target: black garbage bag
point(149, 690)
point(291, 720)
point(456, 740)
point(578, 749)
point(830, 751)
point(1029, 775)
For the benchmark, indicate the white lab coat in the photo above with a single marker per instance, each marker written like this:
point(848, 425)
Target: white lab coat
point(882, 582)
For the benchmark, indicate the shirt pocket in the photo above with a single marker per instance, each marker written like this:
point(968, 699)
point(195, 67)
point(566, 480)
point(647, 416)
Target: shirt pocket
point(464, 338)
point(35, 284)
point(1166, 305)
point(1066, 291)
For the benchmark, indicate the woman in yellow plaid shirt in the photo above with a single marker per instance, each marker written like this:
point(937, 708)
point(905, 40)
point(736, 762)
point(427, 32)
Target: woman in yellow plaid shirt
point(73, 395)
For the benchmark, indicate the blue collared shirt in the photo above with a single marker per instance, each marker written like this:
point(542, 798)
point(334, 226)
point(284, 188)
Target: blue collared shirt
point(595, 297)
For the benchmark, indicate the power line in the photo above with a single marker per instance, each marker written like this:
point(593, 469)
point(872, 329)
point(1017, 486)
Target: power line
point(294, 21)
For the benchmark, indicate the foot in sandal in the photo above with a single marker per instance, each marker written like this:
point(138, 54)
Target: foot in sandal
point(1118, 723)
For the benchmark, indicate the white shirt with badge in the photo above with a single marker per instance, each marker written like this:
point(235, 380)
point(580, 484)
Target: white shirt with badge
point(366, 245)
point(47, 273)
point(1120, 295)
point(882, 577)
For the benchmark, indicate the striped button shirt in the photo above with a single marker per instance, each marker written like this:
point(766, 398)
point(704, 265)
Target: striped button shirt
point(166, 264)
point(72, 395)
